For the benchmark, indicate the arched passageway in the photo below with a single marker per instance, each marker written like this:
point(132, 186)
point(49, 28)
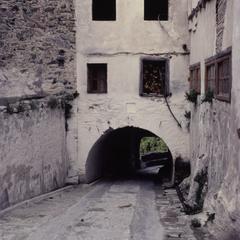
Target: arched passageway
point(118, 153)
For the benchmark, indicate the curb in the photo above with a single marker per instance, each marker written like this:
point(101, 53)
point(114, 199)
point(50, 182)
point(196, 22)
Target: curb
point(34, 199)
point(44, 196)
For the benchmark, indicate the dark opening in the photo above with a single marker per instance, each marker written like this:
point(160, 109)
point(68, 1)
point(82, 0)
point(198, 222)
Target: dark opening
point(156, 10)
point(120, 153)
point(154, 79)
point(104, 10)
point(97, 78)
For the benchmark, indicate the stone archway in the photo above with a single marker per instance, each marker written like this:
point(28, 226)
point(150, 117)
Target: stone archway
point(116, 152)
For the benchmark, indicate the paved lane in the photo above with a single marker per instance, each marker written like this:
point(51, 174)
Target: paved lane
point(134, 209)
point(123, 210)
point(110, 210)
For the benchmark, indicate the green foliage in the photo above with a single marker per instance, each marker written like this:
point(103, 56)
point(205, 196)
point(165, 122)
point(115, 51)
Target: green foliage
point(191, 96)
point(153, 78)
point(33, 105)
point(20, 107)
point(187, 115)
point(53, 103)
point(9, 109)
point(208, 96)
point(71, 97)
point(68, 113)
point(196, 223)
point(152, 144)
point(14, 108)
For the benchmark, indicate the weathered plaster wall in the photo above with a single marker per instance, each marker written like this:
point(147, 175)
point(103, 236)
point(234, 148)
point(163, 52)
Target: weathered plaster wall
point(33, 154)
point(37, 47)
point(121, 44)
point(214, 126)
point(37, 60)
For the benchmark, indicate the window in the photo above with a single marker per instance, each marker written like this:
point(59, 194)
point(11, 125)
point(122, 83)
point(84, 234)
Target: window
point(103, 10)
point(154, 79)
point(223, 77)
point(156, 10)
point(195, 78)
point(218, 75)
point(210, 76)
point(97, 78)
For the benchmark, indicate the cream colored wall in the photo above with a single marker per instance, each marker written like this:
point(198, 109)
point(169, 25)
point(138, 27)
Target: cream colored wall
point(121, 44)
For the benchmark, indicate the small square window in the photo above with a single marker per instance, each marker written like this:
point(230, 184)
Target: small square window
point(156, 10)
point(97, 78)
point(103, 10)
point(154, 79)
point(195, 78)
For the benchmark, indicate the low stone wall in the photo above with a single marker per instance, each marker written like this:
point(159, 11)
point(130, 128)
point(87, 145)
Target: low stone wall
point(37, 59)
point(33, 156)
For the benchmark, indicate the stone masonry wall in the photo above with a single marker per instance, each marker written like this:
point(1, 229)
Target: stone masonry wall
point(214, 140)
point(37, 47)
point(221, 6)
point(37, 74)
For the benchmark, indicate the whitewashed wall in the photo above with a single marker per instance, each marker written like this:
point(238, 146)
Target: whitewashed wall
point(121, 44)
point(33, 154)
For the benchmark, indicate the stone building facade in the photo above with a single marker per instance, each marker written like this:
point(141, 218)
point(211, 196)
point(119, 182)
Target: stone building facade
point(123, 44)
point(214, 135)
point(51, 51)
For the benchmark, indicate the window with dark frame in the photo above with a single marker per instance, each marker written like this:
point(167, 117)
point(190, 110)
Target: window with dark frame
point(223, 77)
point(195, 78)
point(210, 76)
point(103, 10)
point(156, 10)
point(218, 73)
point(97, 78)
point(154, 77)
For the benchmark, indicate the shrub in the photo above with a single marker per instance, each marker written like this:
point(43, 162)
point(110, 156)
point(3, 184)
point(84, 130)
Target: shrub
point(208, 96)
point(191, 96)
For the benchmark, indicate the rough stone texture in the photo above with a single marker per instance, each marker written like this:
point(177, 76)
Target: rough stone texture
point(221, 6)
point(176, 223)
point(215, 135)
point(37, 45)
point(198, 186)
point(37, 59)
point(184, 187)
point(214, 126)
point(121, 44)
point(33, 154)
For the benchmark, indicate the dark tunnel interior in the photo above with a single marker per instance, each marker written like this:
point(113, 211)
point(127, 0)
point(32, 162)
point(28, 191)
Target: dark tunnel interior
point(117, 153)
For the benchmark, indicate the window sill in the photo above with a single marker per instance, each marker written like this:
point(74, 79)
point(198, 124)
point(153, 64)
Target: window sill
point(103, 20)
point(223, 98)
point(152, 95)
point(96, 92)
point(155, 20)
